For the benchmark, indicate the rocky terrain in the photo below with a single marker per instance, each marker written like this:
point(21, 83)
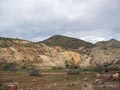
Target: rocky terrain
point(101, 53)
point(106, 52)
point(28, 53)
point(47, 65)
point(58, 51)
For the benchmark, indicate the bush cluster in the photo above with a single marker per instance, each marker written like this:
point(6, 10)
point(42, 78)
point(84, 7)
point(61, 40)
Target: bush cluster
point(10, 67)
point(34, 72)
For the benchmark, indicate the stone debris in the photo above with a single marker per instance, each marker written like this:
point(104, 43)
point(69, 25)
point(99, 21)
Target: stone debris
point(85, 79)
point(11, 86)
point(98, 75)
point(33, 81)
point(99, 81)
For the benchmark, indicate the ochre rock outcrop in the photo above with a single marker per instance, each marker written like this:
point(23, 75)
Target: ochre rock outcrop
point(29, 53)
point(37, 54)
point(73, 56)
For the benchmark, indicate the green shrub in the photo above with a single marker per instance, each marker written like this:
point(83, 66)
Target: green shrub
point(1, 87)
point(10, 67)
point(34, 72)
point(73, 72)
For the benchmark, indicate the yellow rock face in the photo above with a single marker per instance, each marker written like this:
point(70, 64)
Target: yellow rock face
point(41, 55)
point(116, 76)
point(72, 56)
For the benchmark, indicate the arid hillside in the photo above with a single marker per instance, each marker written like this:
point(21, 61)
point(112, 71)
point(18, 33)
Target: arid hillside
point(28, 53)
point(38, 54)
point(101, 53)
point(106, 52)
point(67, 42)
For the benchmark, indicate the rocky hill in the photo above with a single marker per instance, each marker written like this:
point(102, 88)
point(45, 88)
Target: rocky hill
point(106, 52)
point(38, 54)
point(76, 45)
point(28, 53)
point(67, 42)
point(109, 44)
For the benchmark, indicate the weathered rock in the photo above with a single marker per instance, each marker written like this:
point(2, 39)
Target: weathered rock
point(116, 76)
point(98, 75)
point(85, 79)
point(11, 86)
point(29, 53)
point(40, 55)
point(105, 52)
point(98, 81)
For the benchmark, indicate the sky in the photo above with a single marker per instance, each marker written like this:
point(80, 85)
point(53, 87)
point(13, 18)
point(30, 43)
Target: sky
point(36, 20)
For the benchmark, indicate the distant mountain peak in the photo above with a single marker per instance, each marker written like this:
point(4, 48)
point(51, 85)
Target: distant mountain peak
point(113, 40)
point(67, 42)
point(58, 35)
point(110, 43)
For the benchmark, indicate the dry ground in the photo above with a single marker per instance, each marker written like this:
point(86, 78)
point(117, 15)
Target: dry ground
point(56, 81)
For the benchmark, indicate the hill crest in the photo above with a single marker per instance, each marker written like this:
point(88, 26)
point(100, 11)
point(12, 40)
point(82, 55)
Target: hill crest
point(67, 42)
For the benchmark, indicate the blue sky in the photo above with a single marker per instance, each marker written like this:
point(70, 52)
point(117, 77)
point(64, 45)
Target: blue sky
point(35, 20)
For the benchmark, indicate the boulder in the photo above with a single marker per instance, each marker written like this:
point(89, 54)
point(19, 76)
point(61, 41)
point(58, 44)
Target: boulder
point(116, 76)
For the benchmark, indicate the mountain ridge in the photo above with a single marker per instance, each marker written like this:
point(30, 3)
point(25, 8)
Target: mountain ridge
point(41, 55)
point(66, 42)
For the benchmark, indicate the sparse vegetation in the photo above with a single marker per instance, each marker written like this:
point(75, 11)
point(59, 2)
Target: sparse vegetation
point(68, 78)
point(10, 67)
point(98, 68)
point(57, 68)
point(1, 87)
point(34, 72)
point(68, 64)
point(73, 71)
point(66, 42)
point(8, 42)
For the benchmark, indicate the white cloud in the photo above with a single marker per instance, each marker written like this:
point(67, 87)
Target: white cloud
point(92, 20)
point(93, 35)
